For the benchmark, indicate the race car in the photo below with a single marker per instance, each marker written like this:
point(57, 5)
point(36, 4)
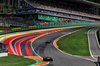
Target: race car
point(47, 59)
point(48, 42)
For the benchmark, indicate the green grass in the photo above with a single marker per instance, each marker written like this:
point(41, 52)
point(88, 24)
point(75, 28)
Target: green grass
point(1, 28)
point(13, 60)
point(75, 43)
point(4, 28)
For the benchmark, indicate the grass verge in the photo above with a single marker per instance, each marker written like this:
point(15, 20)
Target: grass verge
point(75, 43)
point(1, 28)
point(4, 28)
point(13, 60)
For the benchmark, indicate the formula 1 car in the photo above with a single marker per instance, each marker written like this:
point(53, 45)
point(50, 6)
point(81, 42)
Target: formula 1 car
point(48, 42)
point(47, 59)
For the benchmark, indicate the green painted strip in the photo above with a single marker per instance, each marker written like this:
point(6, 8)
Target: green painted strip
point(37, 62)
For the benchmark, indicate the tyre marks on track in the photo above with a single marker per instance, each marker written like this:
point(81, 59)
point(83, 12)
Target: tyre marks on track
point(27, 43)
point(16, 43)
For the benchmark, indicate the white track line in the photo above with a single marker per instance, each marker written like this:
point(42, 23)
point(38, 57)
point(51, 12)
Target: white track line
point(34, 50)
point(74, 55)
point(89, 45)
point(97, 38)
point(36, 39)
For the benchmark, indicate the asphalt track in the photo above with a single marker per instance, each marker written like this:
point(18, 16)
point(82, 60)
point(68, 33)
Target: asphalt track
point(59, 58)
point(22, 46)
point(93, 43)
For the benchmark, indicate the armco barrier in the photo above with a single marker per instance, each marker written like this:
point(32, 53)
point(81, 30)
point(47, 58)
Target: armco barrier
point(40, 26)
